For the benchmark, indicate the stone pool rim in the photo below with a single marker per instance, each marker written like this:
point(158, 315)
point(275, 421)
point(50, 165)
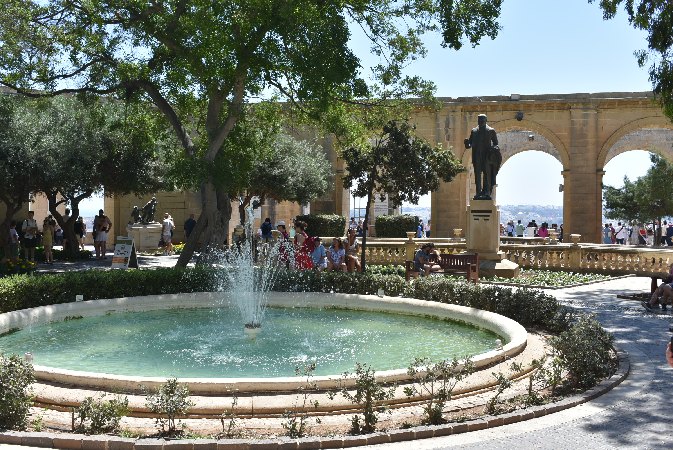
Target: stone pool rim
point(514, 335)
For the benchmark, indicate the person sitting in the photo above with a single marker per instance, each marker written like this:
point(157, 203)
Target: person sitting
point(432, 258)
point(352, 250)
point(319, 255)
point(336, 256)
point(662, 295)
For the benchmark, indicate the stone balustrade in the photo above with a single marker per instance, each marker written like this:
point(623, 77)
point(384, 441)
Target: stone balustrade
point(595, 258)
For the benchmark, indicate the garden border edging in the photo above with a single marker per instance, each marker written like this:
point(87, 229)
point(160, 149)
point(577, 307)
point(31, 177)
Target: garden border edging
point(78, 441)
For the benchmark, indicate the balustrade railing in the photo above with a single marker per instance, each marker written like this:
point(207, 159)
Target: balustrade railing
point(606, 259)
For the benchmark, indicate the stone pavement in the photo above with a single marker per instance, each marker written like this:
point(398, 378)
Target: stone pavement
point(144, 262)
point(635, 415)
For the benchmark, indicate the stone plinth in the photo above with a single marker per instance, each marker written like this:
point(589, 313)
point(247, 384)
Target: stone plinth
point(145, 237)
point(483, 237)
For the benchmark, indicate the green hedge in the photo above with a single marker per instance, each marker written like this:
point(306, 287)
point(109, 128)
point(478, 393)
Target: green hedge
point(325, 225)
point(395, 226)
point(531, 308)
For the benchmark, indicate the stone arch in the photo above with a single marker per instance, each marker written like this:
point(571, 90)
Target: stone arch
point(545, 140)
point(650, 133)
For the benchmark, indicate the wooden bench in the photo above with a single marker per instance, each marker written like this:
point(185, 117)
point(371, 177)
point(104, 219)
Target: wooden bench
point(463, 263)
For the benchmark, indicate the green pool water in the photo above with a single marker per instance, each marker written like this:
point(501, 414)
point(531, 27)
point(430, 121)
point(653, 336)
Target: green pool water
point(210, 342)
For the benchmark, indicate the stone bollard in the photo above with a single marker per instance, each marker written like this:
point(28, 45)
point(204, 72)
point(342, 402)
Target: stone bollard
point(410, 246)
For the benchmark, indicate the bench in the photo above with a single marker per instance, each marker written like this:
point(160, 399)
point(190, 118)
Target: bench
point(463, 263)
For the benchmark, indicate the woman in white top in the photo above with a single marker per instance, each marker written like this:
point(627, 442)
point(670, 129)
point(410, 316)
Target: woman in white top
point(336, 256)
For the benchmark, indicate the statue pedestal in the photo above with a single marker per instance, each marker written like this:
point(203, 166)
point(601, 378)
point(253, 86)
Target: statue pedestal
point(145, 237)
point(483, 237)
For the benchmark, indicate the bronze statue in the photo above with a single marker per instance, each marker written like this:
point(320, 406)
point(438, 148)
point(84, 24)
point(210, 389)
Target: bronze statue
point(149, 210)
point(135, 215)
point(486, 157)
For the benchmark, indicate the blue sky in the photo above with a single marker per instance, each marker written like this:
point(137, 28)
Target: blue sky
point(544, 47)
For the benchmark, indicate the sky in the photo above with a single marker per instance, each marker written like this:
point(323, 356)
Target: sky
point(544, 47)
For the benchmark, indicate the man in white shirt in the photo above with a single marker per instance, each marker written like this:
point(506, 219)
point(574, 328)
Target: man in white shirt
point(622, 233)
point(29, 229)
point(166, 233)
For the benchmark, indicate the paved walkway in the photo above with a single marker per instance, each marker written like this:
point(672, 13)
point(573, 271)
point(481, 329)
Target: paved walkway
point(144, 262)
point(636, 414)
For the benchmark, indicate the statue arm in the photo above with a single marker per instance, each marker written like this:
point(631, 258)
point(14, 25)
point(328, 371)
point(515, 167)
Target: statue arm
point(468, 141)
point(494, 139)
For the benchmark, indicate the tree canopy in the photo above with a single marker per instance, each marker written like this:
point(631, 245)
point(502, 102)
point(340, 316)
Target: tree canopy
point(399, 166)
point(647, 199)
point(200, 62)
point(656, 18)
point(71, 149)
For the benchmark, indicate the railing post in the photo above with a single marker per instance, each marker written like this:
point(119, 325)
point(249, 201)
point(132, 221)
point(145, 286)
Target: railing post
point(575, 251)
point(410, 246)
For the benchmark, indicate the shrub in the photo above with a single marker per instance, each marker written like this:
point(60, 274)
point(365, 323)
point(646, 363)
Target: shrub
point(585, 350)
point(369, 395)
point(169, 402)
point(388, 269)
point(16, 267)
point(324, 225)
point(99, 415)
point(395, 226)
point(436, 382)
point(16, 376)
point(22, 291)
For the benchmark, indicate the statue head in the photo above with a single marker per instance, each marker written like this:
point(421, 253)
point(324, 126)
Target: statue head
point(481, 120)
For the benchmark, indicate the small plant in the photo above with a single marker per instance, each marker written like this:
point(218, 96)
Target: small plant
point(16, 376)
point(296, 419)
point(585, 350)
point(228, 419)
point(37, 423)
point(368, 395)
point(98, 415)
point(503, 383)
point(170, 401)
point(436, 382)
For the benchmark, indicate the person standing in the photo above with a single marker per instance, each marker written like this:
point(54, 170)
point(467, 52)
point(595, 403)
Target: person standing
point(427, 229)
point(606, 234)
point(669, 234)
point(29, 229)
point(48, 229)
point(621, 234)
point(519, 229)
point(80, 231)
point(189, 226)
point(166, 233)
point(101, 226)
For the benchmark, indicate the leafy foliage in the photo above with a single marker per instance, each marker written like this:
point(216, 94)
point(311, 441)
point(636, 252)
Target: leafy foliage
point(436, 381)
point(395, 226)
point(655, 18)
point(647, 199)
point(98, 415)
point(533, 277)
point(16, 376)
point(369, 395)
point(324, 225)
point(169, 402)
point(585, 350)
point(296, 419)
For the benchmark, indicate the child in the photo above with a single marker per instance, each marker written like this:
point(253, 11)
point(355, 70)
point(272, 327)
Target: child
point(319, 255)
point(13, 241)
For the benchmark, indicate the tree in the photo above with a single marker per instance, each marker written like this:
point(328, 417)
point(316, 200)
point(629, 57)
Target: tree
point(656, 18)
point(647, 199)
point(200, 62)
point(399, 166)
point(294, 170)
point(87, 147)
point(19, 164)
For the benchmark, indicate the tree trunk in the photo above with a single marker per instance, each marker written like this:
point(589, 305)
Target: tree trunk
point(212, 226)
point(365, 227)
point(4, 227)
point(241, 208)
point(71, 249)
point(657, 232)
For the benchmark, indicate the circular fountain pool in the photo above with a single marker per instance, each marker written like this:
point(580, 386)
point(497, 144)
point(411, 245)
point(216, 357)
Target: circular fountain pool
point(127, 343)
point(210, 343)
